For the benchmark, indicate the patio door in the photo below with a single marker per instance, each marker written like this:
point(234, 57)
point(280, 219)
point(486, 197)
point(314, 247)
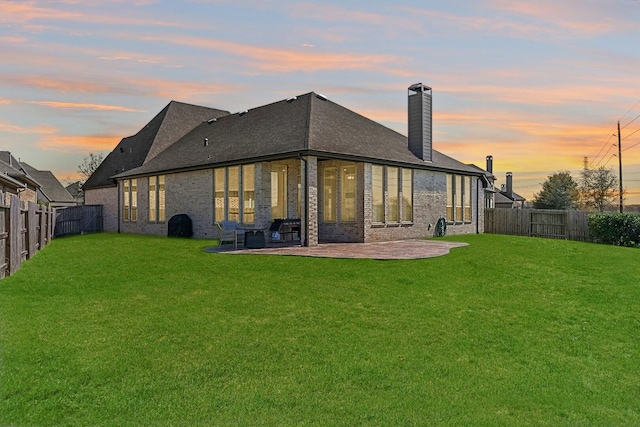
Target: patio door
point(278, 191)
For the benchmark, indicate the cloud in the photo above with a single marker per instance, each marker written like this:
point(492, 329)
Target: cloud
point(285, 60)
point(23, 13)
point(78, 143)
point(84, 106)
point(39, 129)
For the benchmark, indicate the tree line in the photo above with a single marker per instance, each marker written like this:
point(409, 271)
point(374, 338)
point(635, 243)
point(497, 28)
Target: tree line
point(596, 189)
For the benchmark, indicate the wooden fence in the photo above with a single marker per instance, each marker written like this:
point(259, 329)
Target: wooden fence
point(78, 220)
point(24, 230)
point(555, 224)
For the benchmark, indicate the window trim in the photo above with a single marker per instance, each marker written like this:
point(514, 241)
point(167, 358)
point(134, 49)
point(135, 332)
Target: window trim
point(401, 173)
point(130, 200)
point(158, 182)
point(459, 199)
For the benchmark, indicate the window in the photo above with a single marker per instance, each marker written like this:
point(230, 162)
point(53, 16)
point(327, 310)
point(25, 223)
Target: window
point(329, 185)
point(407, 195)
point(278, 191)
point(130, 200)
point(219, 184)
point(459, 198)
point(467, 198)
point(396, 192)
point(233, 193)
point(348, 193)
point(234, 187)
point(248, 194)
point(450, 180)
point(377, 192)
point(392, 194)
point(156, 199)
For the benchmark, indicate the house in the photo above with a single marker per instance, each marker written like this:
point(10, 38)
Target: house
point(15, 180)
point(75, 189)
point(31, 184)
point(50, 192)
point(489, 190)
point(168, 126)
point(344, 177)
point(506, 198)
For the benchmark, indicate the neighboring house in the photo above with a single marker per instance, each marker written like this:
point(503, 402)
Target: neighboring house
point(31, 184)
point(51, 192)
point(75, 189)
point(490, 190)
point(345, 177)
point(15, 180)
point(506, 198)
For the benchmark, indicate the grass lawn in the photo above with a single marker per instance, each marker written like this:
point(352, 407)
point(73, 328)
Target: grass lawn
point(126, 330)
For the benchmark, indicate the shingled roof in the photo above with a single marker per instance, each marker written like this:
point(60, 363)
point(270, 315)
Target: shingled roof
point(51, 188)
point(308, 124)
point(169, 125)
point(11, 167)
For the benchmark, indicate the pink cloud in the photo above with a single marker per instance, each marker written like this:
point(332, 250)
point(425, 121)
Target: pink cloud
point(78, 143)
point(84, 106)
point(283, 60)
point(39, 129)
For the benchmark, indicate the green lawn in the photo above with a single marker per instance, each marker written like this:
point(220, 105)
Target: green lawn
point(125, 330)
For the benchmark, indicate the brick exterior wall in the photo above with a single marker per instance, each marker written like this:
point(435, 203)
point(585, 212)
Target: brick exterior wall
point(192, 193)
point(108, 198)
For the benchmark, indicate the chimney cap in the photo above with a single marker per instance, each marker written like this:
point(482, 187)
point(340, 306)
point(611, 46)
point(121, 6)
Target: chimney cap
point(419, 87)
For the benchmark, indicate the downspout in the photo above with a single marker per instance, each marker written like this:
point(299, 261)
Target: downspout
point(478, 205)
point(306, 200)
point(119, 204)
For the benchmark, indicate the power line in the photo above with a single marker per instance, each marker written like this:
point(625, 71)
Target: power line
point(634, 119)
point(631, 134)
point(631, 146)
point(605, 155)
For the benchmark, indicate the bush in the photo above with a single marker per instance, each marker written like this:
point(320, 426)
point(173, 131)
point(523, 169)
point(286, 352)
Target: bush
point(622, 229)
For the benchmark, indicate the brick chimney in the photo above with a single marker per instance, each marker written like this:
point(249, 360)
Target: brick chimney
point(510, 185)
point(419, 105)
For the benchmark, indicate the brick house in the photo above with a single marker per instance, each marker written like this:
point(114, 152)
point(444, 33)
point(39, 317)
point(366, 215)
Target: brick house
point(345, 177)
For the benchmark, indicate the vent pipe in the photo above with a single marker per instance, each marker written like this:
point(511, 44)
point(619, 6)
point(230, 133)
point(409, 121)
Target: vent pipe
point(420, 121)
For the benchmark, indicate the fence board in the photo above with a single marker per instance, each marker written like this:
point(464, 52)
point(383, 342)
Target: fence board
point(78, 220)
point(556, 224)
point(21, 231)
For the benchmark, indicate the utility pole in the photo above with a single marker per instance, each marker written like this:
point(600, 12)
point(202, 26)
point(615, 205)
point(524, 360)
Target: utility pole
point(620, 163)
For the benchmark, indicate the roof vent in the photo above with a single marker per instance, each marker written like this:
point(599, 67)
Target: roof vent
point(122, 149)
point(322, 97)
point(242, 113)
point(206, 142)
point(212, 120)
point(293, 98)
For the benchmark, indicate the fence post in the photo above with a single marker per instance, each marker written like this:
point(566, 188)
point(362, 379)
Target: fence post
point(15, 235)
point(32, 232)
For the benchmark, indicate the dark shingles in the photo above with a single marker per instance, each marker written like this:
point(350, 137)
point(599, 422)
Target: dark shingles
point(50, 186)
point(306, 125)
point(173, 122)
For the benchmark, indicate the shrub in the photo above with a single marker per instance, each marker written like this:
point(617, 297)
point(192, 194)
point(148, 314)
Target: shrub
point(622, 229)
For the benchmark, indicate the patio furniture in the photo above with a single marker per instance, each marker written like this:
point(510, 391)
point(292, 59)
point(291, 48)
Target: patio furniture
point(227, 235)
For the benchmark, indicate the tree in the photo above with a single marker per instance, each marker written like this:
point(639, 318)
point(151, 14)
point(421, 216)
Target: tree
point(89, 165)
point(598, 187)
point(559, 191)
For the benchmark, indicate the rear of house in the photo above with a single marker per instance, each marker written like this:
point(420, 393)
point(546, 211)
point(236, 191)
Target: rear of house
point(341, 176)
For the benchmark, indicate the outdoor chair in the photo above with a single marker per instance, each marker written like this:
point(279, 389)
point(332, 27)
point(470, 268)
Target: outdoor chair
point(226, 235)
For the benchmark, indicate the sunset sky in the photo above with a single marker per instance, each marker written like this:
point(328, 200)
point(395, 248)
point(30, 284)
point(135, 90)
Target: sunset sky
point(539, 84)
